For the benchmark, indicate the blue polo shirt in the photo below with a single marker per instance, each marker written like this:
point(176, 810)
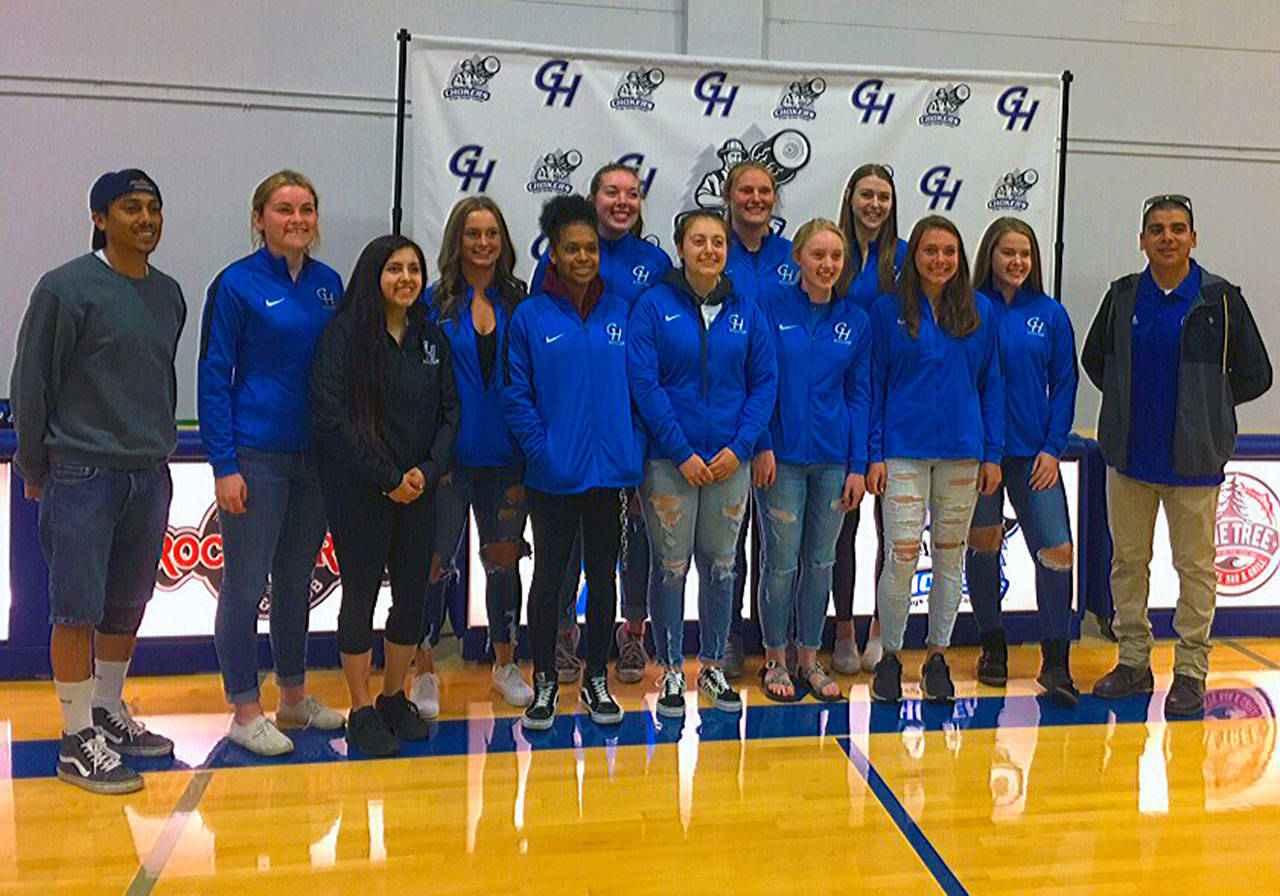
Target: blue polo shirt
point(1153, 398)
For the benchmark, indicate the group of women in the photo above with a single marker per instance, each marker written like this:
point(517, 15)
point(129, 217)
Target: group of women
point(620, 399)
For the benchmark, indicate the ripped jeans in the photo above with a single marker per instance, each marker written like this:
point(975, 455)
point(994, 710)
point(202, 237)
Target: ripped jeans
point(948, 489)
point(700, 523)
point(800, 518)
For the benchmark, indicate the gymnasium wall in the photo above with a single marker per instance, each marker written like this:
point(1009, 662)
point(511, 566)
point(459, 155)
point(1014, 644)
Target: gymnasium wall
point(1169, 95)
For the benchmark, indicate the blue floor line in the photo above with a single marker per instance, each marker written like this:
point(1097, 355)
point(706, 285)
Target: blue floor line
point(452, 737)
point(932, 860)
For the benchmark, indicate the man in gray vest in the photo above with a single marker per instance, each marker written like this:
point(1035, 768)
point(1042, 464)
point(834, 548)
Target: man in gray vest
point(1174, 349)
point(93, 395)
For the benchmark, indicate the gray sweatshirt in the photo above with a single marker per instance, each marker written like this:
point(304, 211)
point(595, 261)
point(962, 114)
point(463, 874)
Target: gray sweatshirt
point(93, 381)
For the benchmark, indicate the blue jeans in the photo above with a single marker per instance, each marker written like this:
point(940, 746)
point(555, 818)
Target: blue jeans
point(699, 523)
point(101, 532)
point(497, 496)
point(1042, 514)
point(278, 535)
point(800, 517)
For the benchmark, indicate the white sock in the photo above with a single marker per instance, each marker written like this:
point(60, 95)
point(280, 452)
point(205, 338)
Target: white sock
point(75, 698)
point(108, 683)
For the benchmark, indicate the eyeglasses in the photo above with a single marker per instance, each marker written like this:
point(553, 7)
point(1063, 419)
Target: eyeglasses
point(1178, 198)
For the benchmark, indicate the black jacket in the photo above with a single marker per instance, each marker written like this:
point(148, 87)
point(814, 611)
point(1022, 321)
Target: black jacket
point(421, 400)
point(1223, 363)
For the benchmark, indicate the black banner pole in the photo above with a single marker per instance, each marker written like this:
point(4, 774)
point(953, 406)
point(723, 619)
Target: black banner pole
point(403, 38)
point(1059, 244)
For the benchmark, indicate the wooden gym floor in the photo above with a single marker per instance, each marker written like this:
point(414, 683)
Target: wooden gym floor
point(1001, 794)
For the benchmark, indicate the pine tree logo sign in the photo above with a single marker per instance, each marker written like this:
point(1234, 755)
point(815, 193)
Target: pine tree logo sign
point(1248, 535)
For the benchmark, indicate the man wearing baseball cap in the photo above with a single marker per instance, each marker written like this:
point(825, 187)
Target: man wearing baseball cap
point(93, 393)
point(1173, 349)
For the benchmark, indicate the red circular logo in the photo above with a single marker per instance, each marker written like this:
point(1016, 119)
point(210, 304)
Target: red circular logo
point(1247, 535)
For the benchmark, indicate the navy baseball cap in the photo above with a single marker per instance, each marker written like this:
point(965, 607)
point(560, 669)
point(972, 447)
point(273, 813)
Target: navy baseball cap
point(111, 186)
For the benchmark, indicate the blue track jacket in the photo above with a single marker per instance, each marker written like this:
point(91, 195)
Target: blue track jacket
point(628, 266)
point(765, 271)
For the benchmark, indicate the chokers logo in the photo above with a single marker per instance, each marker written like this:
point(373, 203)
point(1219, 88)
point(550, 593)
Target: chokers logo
point(636, 88)
point(551, 172)
point(1011, 190)
point(471, 77)
point(196, 553)
point(784, 154)
point(944, 104)
point(1248, 535)
point(798, 99)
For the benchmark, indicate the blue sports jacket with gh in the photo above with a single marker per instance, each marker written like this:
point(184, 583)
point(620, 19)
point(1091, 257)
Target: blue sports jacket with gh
point(697, 388)
point(259, 332)
point(628, 266)
point(824, 381)
point(483, 438)
point(1038, 358)
point(565, 397)
point(865, 285)
point(768, 269)
point(935, 396)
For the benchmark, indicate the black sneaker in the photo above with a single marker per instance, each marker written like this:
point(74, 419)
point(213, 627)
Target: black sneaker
point(85, 760)
point(402, 717)
point(595, 696)
point(993, 664)
point(1055, 674)
point(1185, 697)
point(734, 656)
point(671, 694)
point(886, 686)
point(367, 731)
point(127, 736)
point(540, 714)
point(716, 688)
point(935, 680)
point(1123, 681)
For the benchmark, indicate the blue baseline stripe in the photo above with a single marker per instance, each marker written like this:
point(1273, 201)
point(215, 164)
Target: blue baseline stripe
point(937, 866)
point(462, 737)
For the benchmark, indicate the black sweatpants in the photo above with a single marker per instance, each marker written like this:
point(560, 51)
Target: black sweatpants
point(556, 520)
point(844, 573)
point(372, 533)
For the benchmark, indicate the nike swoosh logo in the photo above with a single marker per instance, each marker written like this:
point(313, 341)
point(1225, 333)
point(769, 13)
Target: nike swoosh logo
point(787, 326)
point(551, 339)
point(669, 317)
point(271, 304)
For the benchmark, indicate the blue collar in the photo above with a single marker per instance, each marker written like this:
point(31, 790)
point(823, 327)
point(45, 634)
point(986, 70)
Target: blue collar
point(1186, 291)
point(279, 266)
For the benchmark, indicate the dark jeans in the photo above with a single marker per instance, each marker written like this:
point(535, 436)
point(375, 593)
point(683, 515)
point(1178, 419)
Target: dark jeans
point(634, 554)
point(1042, 514)
point(372, 533)
point(556, 521)
point(279, 535)
point(101, 532)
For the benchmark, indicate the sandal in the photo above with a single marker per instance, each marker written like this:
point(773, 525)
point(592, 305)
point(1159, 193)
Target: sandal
point(774, 675)
point(818, 680)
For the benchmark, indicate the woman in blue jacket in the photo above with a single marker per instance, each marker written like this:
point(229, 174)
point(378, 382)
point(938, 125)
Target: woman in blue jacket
point(936, 439)
point(869, 217)
point(472, 303)
point(262, 320)
point(810, 466)
point(1038, 356)
point(566, 400)
point(704, 381)
point(629, 264)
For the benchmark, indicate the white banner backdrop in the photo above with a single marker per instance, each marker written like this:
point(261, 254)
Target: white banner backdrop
point(523, 123)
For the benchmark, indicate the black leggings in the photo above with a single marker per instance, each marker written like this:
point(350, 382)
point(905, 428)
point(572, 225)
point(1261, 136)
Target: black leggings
point(556, 520)
point(372, 533)
point(846, 568)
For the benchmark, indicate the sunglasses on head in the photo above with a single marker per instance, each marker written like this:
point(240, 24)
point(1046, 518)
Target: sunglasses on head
point(1178, 198)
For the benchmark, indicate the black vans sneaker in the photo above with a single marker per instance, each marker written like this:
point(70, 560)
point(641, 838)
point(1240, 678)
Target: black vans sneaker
point(886, 686)
point(85, 760)
point(369, 733)
point(993, 664)
point(671, 694)
point(127, 736)
point(935, 680)
point(402, 717)
point(716, 688)
point(540, 714)
point(598, 701)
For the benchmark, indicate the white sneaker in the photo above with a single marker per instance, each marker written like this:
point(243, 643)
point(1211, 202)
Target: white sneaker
point(844, 658)
point(872, 653)
point(260, 736)
point(424, 693)
point(508, 682)
point(309, 713)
